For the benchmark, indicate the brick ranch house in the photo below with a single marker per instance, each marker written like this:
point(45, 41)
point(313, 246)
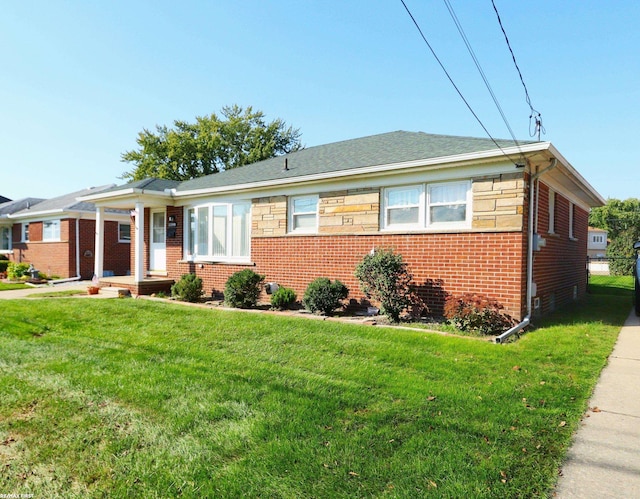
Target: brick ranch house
point(57, 236)
point(467, 216)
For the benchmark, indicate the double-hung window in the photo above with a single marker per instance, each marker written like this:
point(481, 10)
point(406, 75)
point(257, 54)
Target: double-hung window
point(51, 230)
point(218, 232)
point(404, 206)
point(303, 214)
point(445, 205)
point(5, 239)
point(25, 232)
point(124, 233)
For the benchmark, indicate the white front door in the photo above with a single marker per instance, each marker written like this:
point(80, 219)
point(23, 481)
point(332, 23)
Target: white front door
point(158, 246)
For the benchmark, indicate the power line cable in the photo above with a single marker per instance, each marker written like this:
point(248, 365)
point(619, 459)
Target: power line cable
point(424, 38)
point(479, 67)
point(535, 115)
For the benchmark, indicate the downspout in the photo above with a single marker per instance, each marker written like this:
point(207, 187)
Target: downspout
point(78, 248)
point(78, 276)
point(527, 319)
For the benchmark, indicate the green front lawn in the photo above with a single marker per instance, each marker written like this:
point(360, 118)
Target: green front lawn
point(114, 398)
point(6, 286)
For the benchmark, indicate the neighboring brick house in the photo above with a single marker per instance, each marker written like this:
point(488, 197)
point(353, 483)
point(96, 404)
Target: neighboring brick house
point(458, 209)
point(57, 236)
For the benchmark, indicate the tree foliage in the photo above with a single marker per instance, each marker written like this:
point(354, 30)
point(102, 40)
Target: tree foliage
point(384, 276)
point(621, 220)
point(213, 143)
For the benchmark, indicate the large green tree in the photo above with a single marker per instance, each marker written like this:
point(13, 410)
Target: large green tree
point(213, 143)
point(621, 219)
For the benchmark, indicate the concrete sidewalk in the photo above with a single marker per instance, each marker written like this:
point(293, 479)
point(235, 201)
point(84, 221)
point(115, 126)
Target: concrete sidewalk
point(23, 293)
point(604, 460)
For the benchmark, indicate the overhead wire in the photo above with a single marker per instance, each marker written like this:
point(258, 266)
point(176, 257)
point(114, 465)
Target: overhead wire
point(424, 38)
point(535, 116)
point(480, 70)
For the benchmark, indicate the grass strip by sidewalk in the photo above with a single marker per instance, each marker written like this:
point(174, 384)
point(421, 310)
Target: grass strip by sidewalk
point(146, 399)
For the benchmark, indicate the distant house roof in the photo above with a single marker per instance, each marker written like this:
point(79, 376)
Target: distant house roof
point(4, 199)
point(10, 207)
point(62, 204)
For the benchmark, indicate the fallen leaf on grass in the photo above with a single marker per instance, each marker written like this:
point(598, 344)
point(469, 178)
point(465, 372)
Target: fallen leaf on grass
point(433, 484)
point(596, 409)
point(562, 423)
point(431, 398)
point(353, 473)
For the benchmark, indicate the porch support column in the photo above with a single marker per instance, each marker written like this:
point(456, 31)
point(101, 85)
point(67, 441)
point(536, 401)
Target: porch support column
point(139, 243)
point(98, 251)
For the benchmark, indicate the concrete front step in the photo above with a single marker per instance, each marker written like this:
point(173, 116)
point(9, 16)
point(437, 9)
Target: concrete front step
point(115, 292)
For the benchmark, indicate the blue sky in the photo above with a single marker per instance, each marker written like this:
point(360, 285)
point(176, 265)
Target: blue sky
point(80, 79)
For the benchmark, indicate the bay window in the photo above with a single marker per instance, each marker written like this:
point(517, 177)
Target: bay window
point(218, 232)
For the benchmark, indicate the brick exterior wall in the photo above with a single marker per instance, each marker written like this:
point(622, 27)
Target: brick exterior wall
point(489, 258)
point(58, 258)
point(561, 264)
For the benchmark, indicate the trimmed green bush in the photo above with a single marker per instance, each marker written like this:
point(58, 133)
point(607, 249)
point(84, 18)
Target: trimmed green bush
point(243, 288)
point(188, 288)
point(478, 313)
point(283, 298)
point(384, 277)
point(324, 296)
point(16, 271)
point(3, 265)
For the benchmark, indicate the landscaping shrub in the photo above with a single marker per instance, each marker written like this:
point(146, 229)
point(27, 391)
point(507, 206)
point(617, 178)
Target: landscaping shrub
point(16, 271)
point(3, 265)
point(478, 313)
point(243, 288)
point(324, 296)
point(283, 298)
point(384, 276)
point(188, 288)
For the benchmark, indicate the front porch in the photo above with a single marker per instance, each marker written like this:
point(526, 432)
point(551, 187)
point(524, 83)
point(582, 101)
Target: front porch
point(147, 286)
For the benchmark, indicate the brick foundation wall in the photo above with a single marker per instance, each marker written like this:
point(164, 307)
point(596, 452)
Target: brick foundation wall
point(488, 263)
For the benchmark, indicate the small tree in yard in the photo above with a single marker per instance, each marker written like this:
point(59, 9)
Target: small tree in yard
point(384, 276)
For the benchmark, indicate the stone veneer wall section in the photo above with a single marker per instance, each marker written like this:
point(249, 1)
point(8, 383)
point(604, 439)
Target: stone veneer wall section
point(498, 202)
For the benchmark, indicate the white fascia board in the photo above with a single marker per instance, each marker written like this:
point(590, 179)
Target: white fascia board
point(428, 164)
point(103, 198)
point(37, 214)
point(576, 177)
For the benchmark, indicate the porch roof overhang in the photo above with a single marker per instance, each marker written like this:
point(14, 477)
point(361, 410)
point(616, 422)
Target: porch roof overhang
point(127, 198)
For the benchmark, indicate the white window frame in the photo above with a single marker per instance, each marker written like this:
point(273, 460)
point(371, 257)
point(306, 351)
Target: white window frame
point(466, 223)
point(8, 249)
point(421, 212)
point(571, 217)
point(120, 238)
point(597, 239)
point(190, 243)
point(292, 214)
point(424, 218)
point(24, 232)
point(552, 212)
point(55, 235)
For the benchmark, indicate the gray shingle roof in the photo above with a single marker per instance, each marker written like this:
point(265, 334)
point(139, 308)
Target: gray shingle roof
point(386, 148)
point(66, 202)
point(147, 184)
point(11, 207)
